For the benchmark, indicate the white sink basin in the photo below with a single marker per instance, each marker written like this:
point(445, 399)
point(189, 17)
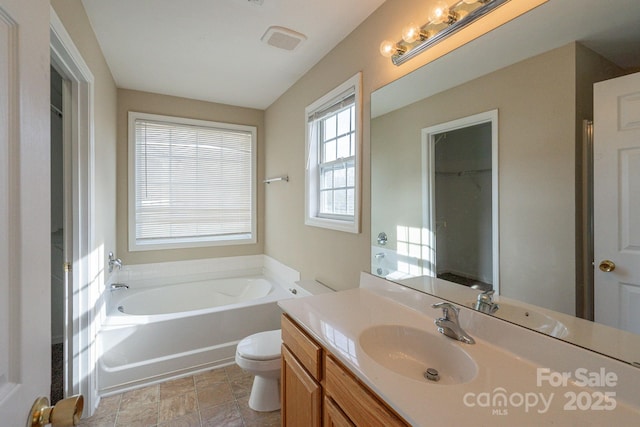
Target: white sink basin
point(410, 352)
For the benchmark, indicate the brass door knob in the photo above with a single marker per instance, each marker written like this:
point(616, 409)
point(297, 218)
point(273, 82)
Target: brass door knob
point(65, 413)
point(607, 266)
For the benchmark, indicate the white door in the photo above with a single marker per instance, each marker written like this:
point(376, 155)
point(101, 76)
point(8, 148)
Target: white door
point(25, 367)
point(617, 202)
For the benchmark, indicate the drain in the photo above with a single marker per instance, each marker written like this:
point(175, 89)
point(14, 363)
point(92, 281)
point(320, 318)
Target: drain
point(121, 308)
point(432, 374)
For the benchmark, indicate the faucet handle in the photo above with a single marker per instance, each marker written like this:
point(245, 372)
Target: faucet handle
point(446, 306)
point(485, 303)
point(486, 296)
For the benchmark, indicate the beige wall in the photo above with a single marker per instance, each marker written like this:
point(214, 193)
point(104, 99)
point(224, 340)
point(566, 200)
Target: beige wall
point(526, 205)
point(76, 22)
point(130, 100)
point(332, 257)
point(335, 258)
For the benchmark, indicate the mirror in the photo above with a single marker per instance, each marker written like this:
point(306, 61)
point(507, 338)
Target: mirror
point(541, 84)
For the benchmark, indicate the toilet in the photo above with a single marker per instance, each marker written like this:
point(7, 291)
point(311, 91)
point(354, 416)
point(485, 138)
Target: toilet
point(259, 355)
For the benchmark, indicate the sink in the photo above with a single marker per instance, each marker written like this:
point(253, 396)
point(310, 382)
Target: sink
point(410, 352)
point(532, 319)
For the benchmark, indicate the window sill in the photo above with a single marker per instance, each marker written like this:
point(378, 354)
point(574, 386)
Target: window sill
point(333, 224)
point(186, 244)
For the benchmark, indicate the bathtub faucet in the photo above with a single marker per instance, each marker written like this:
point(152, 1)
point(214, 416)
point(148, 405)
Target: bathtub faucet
point(114, 262)
point(116, 286)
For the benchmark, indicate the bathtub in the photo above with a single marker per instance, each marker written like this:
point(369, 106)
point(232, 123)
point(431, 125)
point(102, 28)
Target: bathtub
point(152, 333)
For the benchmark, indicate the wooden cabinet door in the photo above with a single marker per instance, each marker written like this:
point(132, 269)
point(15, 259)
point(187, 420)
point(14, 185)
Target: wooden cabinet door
point(333, 415)
point(359, 404)
point(301, 394)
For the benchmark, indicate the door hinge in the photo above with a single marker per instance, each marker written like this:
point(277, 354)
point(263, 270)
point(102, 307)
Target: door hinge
point(67, 267)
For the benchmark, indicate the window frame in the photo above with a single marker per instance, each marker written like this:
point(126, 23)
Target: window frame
point(197, 242)
point(346, 223)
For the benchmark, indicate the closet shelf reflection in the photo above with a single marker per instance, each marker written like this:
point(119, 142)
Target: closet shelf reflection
point(463, 173)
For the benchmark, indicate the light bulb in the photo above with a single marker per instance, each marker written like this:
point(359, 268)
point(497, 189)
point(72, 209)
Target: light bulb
point(439, 13)
point(411, 33)
point(387, 48)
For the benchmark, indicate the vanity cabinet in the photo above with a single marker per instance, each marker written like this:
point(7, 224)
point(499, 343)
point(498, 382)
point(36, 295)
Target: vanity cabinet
point(355, 400)
point(333, 415)
point(316, 389)
point(301, 392)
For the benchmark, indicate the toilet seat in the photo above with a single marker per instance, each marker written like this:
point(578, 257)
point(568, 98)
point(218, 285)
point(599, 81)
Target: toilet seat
point(261, 346)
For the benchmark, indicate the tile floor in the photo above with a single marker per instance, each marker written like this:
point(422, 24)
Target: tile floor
point(214, 398)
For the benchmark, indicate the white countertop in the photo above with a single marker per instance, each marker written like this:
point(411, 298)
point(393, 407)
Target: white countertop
point(617, 343)
point(336, 320)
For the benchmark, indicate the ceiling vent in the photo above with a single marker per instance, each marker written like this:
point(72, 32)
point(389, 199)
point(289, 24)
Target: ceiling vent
point(282, 38)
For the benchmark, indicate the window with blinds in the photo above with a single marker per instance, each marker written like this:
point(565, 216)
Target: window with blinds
point(192, 182)
point(333, 164)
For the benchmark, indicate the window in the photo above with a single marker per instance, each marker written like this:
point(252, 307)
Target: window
point(191, 183)
point(333, 159)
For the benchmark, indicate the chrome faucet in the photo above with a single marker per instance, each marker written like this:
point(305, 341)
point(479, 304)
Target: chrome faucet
point(114, 262)
point(116, 286)
point(485, 303)
point(448, 323)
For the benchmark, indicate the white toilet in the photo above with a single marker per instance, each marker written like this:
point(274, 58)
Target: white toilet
point(259, 354)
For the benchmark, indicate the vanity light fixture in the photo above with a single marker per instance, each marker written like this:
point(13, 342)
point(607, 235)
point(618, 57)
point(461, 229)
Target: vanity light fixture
point(444, 20)
point(390, 49)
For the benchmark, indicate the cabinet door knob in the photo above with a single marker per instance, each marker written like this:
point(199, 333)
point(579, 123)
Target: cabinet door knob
point(607, 266)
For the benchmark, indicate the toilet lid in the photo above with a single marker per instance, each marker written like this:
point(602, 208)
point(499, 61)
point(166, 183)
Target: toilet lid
point(261, 346)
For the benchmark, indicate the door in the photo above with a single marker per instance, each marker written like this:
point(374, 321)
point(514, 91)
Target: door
point(617, 202)
point(462, 205)
point(24, 208)
point(468, 171)
point(333, 415)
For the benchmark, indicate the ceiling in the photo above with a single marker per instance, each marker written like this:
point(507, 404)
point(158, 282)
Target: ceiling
point(611, 28)
point(211, 49)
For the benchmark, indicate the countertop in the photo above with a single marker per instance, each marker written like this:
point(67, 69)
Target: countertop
point(505, 391)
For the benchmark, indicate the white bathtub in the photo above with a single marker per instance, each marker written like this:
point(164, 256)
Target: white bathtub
point(152, 333)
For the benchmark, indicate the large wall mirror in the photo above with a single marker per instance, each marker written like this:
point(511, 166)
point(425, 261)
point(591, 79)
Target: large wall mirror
point(523, 172)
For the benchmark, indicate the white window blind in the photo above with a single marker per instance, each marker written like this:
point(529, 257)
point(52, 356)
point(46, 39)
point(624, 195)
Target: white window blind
point(193, 182)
